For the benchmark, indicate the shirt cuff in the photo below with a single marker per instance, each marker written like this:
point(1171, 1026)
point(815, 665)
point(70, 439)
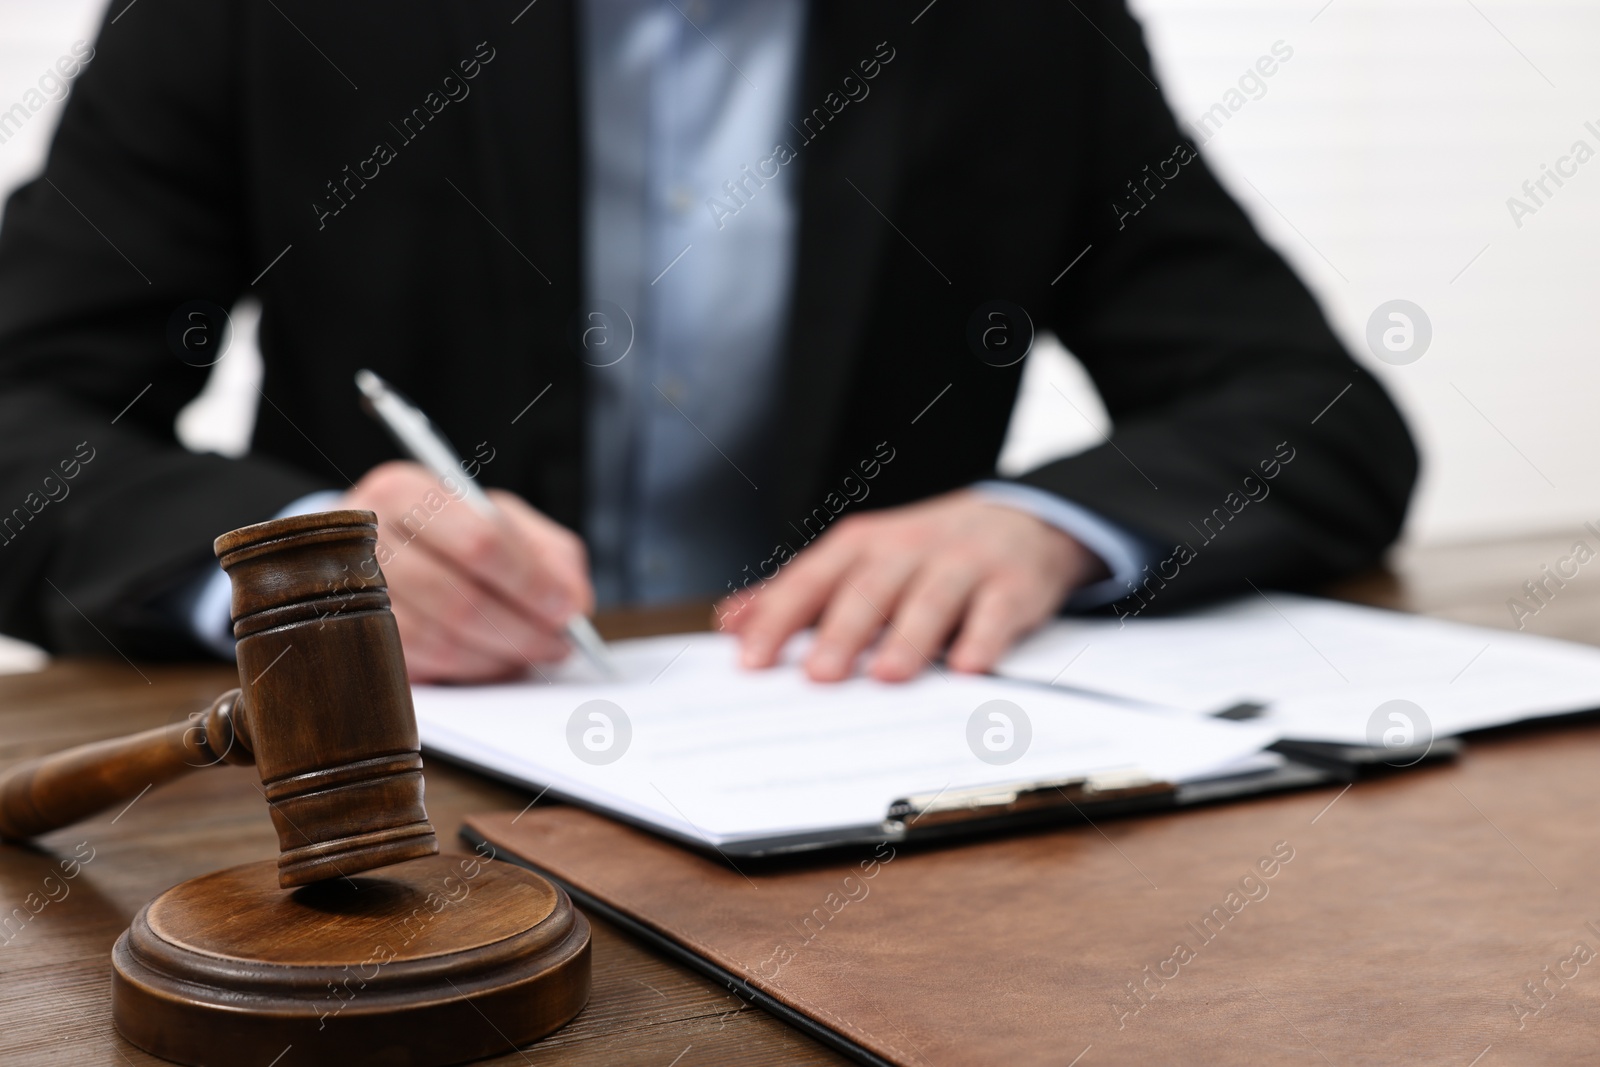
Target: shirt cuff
point(207, 602)
point(1124, 555)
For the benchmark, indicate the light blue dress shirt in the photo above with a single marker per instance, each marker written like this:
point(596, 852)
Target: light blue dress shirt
point(683, 100)
point(689, 256)
point(684, 105)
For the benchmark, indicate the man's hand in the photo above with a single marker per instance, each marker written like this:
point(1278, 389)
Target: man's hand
point(477, 599)
point(956, 564)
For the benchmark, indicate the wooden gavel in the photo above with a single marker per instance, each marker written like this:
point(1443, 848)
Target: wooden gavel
point(434, 959)
point(323, 711)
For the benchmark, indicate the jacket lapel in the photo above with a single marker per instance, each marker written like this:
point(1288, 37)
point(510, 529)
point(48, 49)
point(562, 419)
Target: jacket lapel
point(853, 159)
point(528, 173)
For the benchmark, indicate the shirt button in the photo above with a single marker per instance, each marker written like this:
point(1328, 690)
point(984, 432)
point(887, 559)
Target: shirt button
point(696, 9)
point(680, 199)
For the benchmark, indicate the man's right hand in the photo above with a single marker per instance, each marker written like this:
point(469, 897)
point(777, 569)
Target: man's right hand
point(477, 599)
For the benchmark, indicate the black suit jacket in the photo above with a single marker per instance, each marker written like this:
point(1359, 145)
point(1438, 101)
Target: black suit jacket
point(1000, 144)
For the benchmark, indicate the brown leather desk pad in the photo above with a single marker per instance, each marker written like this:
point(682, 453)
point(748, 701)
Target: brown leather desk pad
point(1437, 916)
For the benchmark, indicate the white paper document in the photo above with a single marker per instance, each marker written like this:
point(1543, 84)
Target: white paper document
point(691, 744)
point(1323, 669)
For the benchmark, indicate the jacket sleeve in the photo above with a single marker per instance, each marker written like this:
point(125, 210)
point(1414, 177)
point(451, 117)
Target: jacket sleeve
point(136, 214)
point(1245, 440)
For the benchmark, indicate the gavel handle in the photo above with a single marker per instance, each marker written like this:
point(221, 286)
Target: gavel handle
point(57, 790)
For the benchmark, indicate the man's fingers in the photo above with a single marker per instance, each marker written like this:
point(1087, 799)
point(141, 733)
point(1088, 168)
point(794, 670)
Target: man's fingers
point(927, 615)
point(729, 614)
point(431, 656)
point(862, 602)
point(465, 614)
point(1002, 610)
point(559, 549)
point(478, 596)
point(490, 550)
point(434, 654)
point(954, 564)
point(793, 600)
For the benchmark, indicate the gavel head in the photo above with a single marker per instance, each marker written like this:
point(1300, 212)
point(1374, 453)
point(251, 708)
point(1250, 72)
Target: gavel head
point(326, 709)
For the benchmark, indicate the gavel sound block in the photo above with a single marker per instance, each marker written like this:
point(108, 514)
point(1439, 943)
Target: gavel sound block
point(360, 944)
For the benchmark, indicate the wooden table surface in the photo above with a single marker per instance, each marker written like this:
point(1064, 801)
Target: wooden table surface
point(54, 968)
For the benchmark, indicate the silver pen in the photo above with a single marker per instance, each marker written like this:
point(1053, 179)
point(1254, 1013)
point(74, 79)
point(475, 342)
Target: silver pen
point(416, 434)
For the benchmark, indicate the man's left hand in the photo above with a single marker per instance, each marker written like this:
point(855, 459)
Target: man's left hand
point(955, 566)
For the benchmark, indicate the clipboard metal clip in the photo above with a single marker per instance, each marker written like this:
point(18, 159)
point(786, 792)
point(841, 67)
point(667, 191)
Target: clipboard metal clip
point(1000, 801)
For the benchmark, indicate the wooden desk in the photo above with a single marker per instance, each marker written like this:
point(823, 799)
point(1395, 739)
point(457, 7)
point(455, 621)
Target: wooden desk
point(55, 976)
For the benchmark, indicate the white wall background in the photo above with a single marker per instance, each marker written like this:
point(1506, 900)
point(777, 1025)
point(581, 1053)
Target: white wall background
point(1379, 159)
